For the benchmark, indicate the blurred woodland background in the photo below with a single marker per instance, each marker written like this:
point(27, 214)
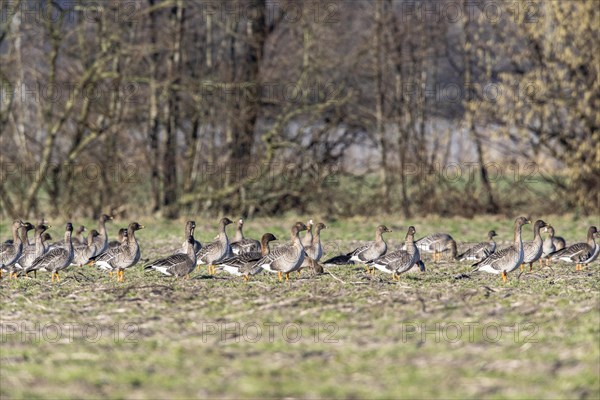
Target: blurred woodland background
point(262, 107)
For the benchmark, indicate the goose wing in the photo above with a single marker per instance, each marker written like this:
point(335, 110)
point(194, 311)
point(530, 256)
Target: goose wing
point(245, 246)
point(498, 261)
point(575, 253)
point(477, 252)
point(53, 259)
point(392, 261)
point(177, 264)
point(108, 260)
point(278, 258)
point(210, 253)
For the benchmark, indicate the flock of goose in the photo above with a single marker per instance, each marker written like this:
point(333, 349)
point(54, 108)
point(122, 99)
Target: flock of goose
point(246, 257)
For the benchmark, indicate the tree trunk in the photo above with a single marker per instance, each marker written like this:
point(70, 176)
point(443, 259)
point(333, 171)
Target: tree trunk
point(379, 99)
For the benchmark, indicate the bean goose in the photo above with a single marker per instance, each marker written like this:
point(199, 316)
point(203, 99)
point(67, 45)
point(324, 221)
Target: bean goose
point(287, 258)
point(79, 238)
point(121, 237)
point(10, 252)
point(83, 252)
point(32, 252)
point(551, 244)
point(244, 264)
point(55, 259)
point(365, 253)
point(190, 228)
point(101, 240)
point(314, 251)
point(399, 261)
point(436, 244)
point(533, 249)
point(240, 244)
point(508, 259)
point(120, 258)
point(217, 250)
point(46, 239)
point(579, 253)
point(180, 264)
point(308, 236)
point(25, 234)
point(481, 250)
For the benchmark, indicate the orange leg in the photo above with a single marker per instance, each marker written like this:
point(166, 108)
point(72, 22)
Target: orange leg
point(280, 275)
point(287, 276)
point(530, 266)
point(246, 278)
point(504, 277)
point(522, 267)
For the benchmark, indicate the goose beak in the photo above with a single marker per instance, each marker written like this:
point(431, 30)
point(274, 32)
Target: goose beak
point(142, 226)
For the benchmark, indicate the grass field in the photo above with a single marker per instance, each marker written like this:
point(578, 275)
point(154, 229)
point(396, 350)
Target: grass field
point(343, 334)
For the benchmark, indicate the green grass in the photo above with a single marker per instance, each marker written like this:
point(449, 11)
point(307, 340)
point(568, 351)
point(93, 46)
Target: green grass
point(358, 338)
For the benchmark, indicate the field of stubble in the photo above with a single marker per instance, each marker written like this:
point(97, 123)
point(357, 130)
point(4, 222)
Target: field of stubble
point(344, 334)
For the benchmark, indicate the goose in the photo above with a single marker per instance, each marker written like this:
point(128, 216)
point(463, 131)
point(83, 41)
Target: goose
point(244, 264)
point(121, 237)
point(314, 251)
point(240, 244)
point(579, 253)
point(508, 259)
point(215, 251)
point(32, 252)
point(25, 234)
point(559, 242)
point(83, 252)
point(180, 264)
point(55, 259)
point(308, 237)
point(286, 258)
point(551, 243)
point(10, 252)
point(481, 250)
point(120, 258)
point(101, 241)
point(79, 235)
point(190, 227)
point(46, 239)
point(436, 244)
point(363, 253)
point(533, 249)
point(399, 261)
